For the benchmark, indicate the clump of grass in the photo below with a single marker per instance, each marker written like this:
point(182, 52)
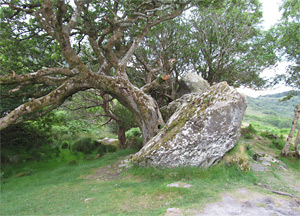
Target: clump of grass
point(238, 156)
point(292, 162)
point(278, 143)
point(248, 132)
point(222, 171)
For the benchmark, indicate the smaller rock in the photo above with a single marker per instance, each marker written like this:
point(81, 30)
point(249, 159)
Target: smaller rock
point(190, 83)
point(180, 185)
point(109, 142)
point(173, 212)
point(88, 199)
point(268, 160)
point(266, 163)
point(279, 167)
point(258, 167)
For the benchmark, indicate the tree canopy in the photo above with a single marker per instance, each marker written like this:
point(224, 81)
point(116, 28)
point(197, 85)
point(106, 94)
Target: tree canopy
point(127, 49)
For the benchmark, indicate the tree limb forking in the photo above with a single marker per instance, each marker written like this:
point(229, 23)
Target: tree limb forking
point(114, 45)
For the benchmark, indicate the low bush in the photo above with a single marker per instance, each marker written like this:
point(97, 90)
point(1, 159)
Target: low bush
point(65, 144)
point(248, 132)
point(134, 142)
point(133, 132)
point(278, 143)
point(88, 145)
point(85, 145)
point(268, 134)
point(134, 138)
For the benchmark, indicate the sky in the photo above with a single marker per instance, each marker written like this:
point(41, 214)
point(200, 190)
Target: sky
point(271, 15)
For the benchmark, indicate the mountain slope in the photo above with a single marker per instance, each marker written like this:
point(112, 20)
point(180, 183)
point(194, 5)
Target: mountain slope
point(270, 110)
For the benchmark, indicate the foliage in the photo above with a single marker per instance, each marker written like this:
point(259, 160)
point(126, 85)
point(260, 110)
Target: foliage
point(248, 132)
point(124, 115)
point(288, 41)
point(26, 141)
point(165, 42)
point(134, 139)
point(133, 132)
point(85, 145)
point(228, 45)
point(22, 53)
point(278, 143)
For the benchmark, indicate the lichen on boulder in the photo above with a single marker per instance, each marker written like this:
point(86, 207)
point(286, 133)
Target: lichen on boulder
point(199, 133)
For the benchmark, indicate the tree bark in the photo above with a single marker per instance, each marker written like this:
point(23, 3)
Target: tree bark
point(286, 148)
point(144, 108)
point(297, 142)
point(122, 136)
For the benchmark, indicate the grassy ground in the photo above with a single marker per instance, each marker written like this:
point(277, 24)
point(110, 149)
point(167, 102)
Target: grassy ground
point(66, 189)
point(99, 187)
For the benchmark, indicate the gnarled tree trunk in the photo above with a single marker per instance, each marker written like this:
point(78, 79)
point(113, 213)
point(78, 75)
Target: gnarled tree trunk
point(113, 34)
point(143, 106)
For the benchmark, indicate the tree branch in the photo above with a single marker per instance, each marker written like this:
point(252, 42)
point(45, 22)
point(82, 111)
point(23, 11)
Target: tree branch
point(41, 76)
point(54, 98)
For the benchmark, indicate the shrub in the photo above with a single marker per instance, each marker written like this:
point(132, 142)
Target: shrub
point(85, 145)
point(133, 132)
point(278, 143)
point(110, 148)
point(268, 135)
point(88, 145)
point(248, 136)
point(134, 142)
point(248, 132)
point(26, 140)
point(65, 144)
point(102, 149)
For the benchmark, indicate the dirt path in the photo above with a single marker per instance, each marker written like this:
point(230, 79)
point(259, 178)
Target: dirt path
point(277, 194)
point(109, 172)
point(248, 203)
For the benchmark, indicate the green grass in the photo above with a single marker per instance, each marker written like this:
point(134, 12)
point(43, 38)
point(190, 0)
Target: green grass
point(57, 188)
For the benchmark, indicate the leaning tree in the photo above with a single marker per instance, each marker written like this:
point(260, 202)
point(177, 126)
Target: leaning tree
point(111, 30)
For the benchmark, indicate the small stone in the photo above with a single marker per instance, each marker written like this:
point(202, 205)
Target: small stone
point(258, 167)
point(88, 199)
point(279, 167)
point(179, 185)
point(173, 212)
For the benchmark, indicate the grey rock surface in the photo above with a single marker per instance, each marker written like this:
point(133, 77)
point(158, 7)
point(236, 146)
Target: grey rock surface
point(199, 133)
point(191, 83)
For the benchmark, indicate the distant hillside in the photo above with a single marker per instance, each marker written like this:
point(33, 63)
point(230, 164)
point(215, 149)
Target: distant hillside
point(270, 110)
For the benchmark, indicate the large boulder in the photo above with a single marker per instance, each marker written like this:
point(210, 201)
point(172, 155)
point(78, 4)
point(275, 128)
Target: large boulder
point(199, 133)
